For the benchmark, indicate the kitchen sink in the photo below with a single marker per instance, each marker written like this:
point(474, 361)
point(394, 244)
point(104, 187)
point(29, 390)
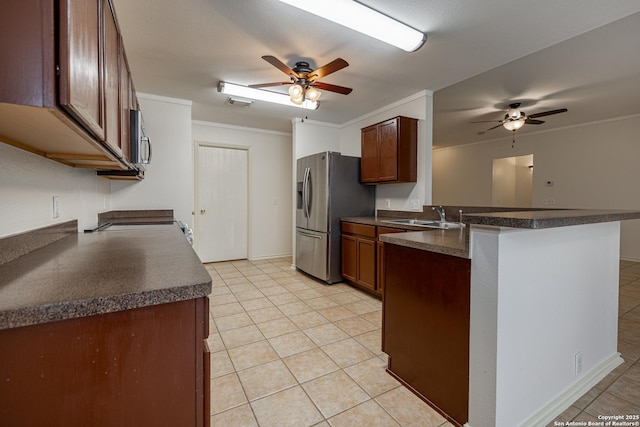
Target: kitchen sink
point(424, 223)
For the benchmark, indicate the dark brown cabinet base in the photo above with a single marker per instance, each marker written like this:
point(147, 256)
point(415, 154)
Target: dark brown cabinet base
point(426, 326)
point(363, 255)
point(139, 367)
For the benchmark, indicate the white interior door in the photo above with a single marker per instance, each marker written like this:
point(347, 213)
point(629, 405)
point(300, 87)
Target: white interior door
point(221, 203)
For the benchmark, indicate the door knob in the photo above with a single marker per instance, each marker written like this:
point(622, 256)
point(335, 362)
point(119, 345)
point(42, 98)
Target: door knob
point(202, 211)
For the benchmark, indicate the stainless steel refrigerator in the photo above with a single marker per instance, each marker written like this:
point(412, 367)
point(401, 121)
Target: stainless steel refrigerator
point(328, 188)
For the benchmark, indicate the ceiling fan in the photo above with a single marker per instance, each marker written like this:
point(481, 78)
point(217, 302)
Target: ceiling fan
point(304, 81)
point(515, 119)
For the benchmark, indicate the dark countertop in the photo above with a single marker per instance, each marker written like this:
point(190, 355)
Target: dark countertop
point(548, 218)
point(96, 273)
point(455, 242)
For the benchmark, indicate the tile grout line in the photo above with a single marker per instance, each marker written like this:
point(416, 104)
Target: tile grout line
point(348, 336)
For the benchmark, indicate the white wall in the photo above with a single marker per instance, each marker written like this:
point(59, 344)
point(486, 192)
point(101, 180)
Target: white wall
point(28, 183)
point(168, 182)
point(311, 137)
point(270, 187)
point(593, 166)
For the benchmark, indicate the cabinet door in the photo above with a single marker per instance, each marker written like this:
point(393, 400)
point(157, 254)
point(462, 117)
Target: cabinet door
point(369, 155)
point(111, 80)
point(125, 103)
point(367, 263)
point(139, 367)
point(349, 257)
point(388, 151)
point(81, 86)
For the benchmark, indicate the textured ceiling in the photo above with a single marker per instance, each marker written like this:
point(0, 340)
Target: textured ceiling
point(479, 56)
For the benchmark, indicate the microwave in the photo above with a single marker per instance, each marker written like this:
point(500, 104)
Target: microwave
point(140, 143)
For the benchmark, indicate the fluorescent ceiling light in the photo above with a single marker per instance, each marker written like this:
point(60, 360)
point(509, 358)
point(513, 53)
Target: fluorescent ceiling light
point(262, 95)
point(367, 21)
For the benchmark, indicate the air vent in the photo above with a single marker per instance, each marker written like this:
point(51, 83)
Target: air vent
point(239, 102)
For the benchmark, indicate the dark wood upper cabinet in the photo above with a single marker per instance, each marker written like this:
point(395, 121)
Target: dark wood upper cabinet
point(111, 85)
point(389, 151)
point(125, 101)
point(66, 59)
point(81, 88)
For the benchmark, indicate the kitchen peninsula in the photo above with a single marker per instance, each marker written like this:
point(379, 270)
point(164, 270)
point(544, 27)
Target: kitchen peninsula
point(516, 318)
point(105, 328)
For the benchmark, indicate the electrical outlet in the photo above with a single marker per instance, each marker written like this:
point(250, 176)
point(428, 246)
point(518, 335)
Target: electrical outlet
point(415, 204)
point(549, 201)
point(387, 203)
point(578, 363)
point(56, 207)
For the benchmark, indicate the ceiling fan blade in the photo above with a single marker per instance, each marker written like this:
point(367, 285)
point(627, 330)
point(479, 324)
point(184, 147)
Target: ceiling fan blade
point(489, 121)
point(259, 85)
point(547, 113)
point(495, 127)
point(331, 67)
point(280, 65)
point(332, 88)
point(533, 121)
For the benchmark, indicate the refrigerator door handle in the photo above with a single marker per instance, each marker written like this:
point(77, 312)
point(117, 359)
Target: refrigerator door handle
point(313, 236)
point(305, 193)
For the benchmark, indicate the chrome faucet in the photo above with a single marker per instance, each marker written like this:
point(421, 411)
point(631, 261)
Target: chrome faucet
point(440, 211)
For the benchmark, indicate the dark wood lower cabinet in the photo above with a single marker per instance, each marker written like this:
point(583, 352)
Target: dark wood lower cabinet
point(363, 255)
point(139, 367)
point(426, 326)
point(359, 254)
point(367, 263)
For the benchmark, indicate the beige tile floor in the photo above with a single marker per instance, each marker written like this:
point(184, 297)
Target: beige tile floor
point(290, 351)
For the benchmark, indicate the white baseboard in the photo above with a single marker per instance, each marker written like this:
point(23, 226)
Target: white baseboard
point(258, 258)
point(557, 406)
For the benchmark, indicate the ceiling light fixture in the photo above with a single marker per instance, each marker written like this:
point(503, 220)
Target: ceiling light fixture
point(360, 18)
point(264, 95)
point(312, 94)
point(514, 124)
point(296, 93)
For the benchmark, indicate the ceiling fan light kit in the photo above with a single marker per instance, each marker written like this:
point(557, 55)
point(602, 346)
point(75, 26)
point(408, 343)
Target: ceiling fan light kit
point(296, 93)
point(367, 21)
point(263, 95)
point(514, 124)
point(312, 94)
point(515, 119)
point(303, 80)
